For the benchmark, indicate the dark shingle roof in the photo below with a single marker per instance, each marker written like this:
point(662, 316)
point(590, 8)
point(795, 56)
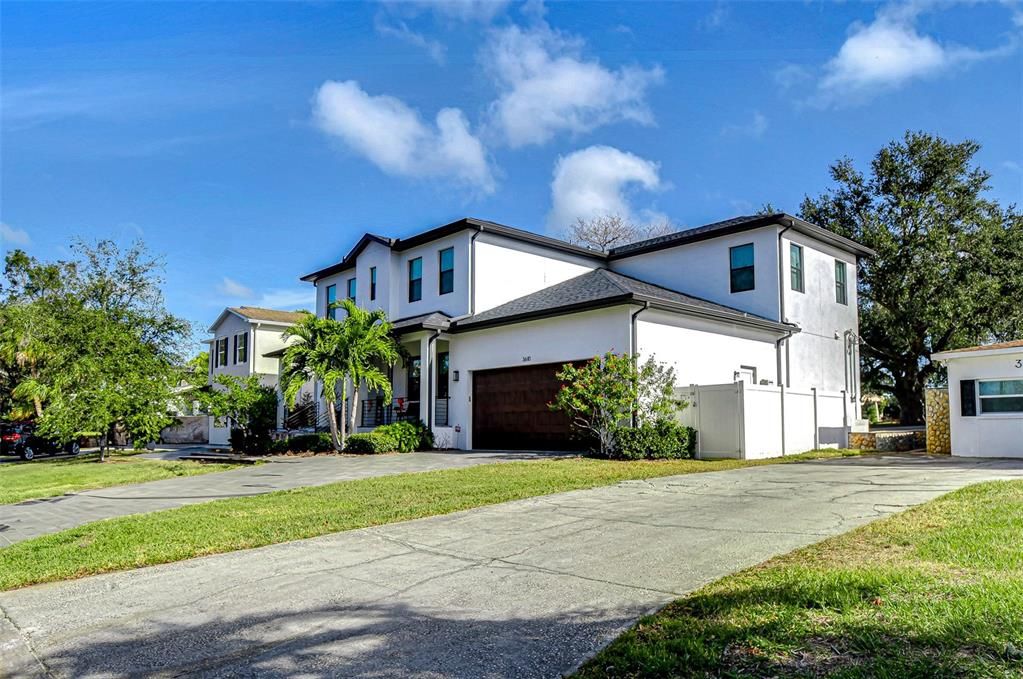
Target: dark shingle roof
point(434, 319)
point(602, 288)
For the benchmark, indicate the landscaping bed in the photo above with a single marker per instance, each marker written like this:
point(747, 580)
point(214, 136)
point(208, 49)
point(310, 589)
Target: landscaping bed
point(934, 592)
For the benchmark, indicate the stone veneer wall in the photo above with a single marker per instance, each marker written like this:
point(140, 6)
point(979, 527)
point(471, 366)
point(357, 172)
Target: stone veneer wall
point(939, 438)
point(887, 440)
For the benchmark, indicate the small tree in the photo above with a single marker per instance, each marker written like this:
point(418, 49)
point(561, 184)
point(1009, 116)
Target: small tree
point(368, 346)
point(609, 391)
point(250, 405)
point(316, 353)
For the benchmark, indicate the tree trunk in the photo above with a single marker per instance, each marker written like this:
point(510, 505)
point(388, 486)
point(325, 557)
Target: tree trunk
point(355, 408)
point(335, 438)
point(909, 394)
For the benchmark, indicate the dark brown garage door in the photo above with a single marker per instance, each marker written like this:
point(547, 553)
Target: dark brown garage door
point(509, 410)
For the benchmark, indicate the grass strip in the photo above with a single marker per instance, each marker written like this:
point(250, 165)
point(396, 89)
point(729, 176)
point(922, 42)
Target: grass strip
point(241, 523)
point(934, 592)
point(49, 478)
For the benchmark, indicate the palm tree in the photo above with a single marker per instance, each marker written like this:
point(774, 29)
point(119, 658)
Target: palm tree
point(318, 353)
point(368, 347)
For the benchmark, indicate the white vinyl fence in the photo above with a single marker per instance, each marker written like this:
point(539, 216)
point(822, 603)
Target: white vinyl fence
point(744, 421)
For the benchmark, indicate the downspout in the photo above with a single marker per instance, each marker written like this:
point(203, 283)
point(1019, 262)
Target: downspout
point(634, 340)
point(781, 319)
point(429, 377)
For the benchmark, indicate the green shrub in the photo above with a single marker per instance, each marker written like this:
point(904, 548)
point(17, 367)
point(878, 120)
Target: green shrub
point(664, 440)
point(371, 443)
point(405, 434)
point(313, 443)
point(425, 436)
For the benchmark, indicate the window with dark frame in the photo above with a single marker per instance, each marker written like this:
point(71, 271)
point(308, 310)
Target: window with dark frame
point(415, 279)
point(331, 298)
point(351, 289)
point(841, 291)
point(241, 348)
point(372, 283)
point(447, 270)
point(222, 351)
point(796, 265)
point(743, 277)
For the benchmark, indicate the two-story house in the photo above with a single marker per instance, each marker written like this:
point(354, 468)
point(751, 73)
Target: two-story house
point(489, 313)
point(247, 341)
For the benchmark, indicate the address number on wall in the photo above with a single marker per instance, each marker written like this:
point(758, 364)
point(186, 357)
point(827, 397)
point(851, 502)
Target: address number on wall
point(527, 359)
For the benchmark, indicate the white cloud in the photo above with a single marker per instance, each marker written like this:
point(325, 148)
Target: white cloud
point(547, 86)
point(790, 75)
point(400, 30)
point(596, 181)
point(755, 128)
point(232, 288)
point(393, 136)
point(890, 52)
point(12, 236)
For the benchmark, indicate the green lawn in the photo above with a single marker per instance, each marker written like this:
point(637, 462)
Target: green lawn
point(240, 523)
point(934, 592)
point(47, 478)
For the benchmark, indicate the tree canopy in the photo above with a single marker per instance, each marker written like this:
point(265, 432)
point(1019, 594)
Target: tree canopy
point(607, 231)
point(949, 266)
point(90, 341)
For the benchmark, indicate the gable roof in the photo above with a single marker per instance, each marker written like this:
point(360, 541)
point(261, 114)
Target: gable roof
point(602, 288)
point(466, 223)
point(260, 315)
point(728, 226)
point(998, 348)
point(736, 225)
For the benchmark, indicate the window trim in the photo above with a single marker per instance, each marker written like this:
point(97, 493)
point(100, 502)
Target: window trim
point(352, 288)
point(221, 352)
point(796, 272)
point(841, 286)
point(981, 397)
point(732, 269)
point(372, 283)
point(331, 292)
point(441, 271)
point(419, 289)
point(241, 346)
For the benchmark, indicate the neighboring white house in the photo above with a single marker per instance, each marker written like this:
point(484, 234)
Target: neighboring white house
point(247, 341)
point(985, 393)
point(489, 313)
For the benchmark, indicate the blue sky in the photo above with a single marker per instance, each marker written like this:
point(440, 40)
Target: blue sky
point(250, 143)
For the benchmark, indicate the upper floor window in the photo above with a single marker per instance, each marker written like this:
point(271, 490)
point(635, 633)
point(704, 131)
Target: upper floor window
point(241, 347)
point(415, 279)
point(331, 298)
point(221, 351)
point(372, 283)
point(741, 260)
point(447, 270)
point(351, 289)
point(796, 266)
point(841, 292)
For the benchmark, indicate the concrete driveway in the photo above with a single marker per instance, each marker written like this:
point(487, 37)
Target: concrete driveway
point(523, 589)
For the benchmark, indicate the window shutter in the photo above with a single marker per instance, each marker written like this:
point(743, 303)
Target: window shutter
point(968, 398)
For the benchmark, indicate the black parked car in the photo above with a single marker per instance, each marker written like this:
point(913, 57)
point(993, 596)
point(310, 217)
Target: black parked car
point(21, 440)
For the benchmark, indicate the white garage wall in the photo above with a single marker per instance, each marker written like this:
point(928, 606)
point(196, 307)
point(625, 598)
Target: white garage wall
point(991, 435)
point(553, 340)
point(704, 352)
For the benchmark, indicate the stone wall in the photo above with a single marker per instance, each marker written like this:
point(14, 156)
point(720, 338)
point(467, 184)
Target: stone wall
point(887, 440)
point(939, 439)
point(187, 429)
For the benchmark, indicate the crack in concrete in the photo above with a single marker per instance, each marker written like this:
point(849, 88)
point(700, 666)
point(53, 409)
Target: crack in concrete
point(27, 642)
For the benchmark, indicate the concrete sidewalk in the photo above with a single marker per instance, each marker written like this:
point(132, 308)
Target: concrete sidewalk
point(523, 589)
point(33, 518)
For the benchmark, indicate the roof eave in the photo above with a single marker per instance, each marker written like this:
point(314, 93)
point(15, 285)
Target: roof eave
point(715, 315)
point(978, 353)
point(545, 313)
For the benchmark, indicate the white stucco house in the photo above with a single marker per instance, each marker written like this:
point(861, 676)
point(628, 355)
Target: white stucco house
point(985, 392)
point(761, 308)
point(247, 341)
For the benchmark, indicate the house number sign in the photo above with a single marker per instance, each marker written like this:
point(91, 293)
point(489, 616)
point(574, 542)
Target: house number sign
point(527, 359)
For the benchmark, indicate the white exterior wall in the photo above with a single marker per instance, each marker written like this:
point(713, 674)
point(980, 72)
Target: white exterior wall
point(815, 357)
point(703, 269)
point(507, 269)
point(704, 352)
point(454, 303)
point(552, 340)
point(232, 325)
point(984, 435)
